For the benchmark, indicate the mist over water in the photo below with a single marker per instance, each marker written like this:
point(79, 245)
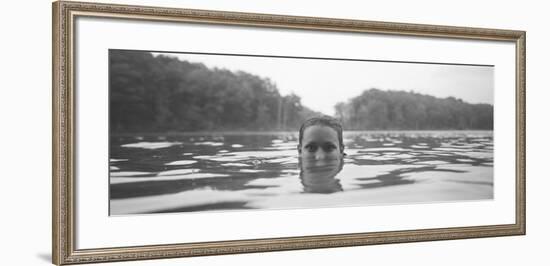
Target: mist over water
point(236, 171)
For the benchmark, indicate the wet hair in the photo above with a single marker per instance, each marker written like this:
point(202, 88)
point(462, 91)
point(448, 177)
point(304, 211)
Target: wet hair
point(324, 120)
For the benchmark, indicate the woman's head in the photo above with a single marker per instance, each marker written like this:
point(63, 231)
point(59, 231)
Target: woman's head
point(321, 138)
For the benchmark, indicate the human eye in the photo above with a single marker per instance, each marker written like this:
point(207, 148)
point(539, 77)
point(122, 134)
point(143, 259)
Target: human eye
point(329, 147)
point(311, 148)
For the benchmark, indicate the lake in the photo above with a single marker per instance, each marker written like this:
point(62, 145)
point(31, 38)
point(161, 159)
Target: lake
point(239, 171)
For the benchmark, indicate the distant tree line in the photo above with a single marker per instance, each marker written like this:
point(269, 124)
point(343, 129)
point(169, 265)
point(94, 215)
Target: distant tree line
point(160, 93)
point(375, 109)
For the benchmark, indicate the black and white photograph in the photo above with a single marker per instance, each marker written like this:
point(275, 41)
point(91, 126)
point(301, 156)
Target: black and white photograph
point(194, 132)
point(186, 132)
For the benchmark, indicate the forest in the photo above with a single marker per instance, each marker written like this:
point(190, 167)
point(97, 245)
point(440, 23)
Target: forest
point(164, 94)
point(375, 109)
point(159, 93)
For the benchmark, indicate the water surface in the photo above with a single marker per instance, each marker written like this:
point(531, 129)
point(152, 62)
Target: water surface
point(232, 171)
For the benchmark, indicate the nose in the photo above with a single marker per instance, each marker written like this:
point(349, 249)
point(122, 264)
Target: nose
point(320, 154)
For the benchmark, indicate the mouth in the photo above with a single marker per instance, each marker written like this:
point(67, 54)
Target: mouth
point(312, 165)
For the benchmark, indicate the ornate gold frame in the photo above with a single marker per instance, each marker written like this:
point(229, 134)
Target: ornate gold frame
point(63, 217)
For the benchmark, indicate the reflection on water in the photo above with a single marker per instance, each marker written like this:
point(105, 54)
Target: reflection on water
point(152, 174)
point(319, 176)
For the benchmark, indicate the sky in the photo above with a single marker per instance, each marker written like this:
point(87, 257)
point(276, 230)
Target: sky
point(322, 83)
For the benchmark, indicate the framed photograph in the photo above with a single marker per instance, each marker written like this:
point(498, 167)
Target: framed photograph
point(180, 132)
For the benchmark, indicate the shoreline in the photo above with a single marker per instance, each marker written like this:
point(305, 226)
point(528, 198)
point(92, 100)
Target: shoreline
point(263, 133)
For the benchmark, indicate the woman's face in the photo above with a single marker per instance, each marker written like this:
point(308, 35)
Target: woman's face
point(320, 143)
